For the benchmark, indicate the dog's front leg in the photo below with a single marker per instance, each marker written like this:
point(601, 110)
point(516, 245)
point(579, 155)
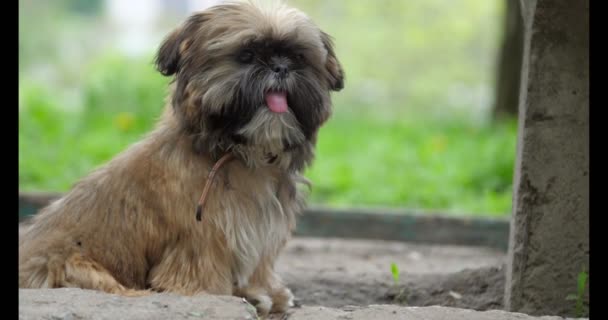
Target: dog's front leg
point(188, 270)
point(266, 290)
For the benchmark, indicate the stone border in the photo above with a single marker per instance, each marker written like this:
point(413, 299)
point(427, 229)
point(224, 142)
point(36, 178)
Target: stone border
point(72, 303)
point(377, 224)
point(404, 225)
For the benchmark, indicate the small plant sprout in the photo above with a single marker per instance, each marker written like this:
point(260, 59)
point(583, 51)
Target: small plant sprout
point(582, 281)
point(399, 296)
point(395, 272)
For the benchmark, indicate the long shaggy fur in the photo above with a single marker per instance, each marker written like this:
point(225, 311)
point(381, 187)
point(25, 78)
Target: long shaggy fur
point(129, 227)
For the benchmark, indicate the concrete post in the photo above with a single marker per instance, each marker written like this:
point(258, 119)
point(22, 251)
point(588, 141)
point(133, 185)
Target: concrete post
point(549, 240)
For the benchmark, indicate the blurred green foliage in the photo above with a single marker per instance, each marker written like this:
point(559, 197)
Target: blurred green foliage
point(402, 135)
point(427, 55)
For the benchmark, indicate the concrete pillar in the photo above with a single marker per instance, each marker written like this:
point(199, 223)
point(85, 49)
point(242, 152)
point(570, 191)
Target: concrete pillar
point(549, 240)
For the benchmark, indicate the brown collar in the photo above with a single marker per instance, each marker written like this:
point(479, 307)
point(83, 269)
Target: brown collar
point(201, 202)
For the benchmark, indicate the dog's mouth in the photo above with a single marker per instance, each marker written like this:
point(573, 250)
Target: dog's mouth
point(276, 101)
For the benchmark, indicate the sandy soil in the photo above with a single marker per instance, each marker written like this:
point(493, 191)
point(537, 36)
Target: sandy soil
point(340, 272)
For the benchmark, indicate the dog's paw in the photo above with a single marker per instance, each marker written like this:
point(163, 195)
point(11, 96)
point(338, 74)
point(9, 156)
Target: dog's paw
point(257, 297)
point(282, 300)
point(262, 304)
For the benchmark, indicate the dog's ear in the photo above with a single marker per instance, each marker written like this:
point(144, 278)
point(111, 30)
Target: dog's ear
point(176, 44)
point(333, 66)
point(167, 59)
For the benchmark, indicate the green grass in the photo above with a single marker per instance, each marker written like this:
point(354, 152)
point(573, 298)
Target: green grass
point(430, 163)
point(447, 163)
point(400, 135)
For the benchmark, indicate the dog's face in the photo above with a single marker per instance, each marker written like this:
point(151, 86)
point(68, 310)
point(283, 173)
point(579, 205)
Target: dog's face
point(251, 80)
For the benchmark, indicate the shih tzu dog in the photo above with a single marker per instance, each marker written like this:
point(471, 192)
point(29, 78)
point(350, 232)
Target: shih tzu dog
point(206, 201)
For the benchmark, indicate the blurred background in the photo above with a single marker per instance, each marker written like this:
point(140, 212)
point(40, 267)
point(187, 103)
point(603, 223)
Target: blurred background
point(427, 119)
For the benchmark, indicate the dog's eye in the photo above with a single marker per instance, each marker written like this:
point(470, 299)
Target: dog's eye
point(300, 57)
point(246, 56)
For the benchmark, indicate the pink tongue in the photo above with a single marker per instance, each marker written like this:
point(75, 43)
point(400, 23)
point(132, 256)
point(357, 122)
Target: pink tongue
point(276, 101)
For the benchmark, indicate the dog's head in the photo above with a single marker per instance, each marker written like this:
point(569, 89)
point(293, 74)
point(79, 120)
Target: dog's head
point(252, 80)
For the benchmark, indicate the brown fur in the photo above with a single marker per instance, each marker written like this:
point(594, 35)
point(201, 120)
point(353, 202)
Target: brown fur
point(129, 227)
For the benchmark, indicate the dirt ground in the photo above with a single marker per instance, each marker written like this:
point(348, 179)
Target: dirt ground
point(332, 279)
point(341, 272)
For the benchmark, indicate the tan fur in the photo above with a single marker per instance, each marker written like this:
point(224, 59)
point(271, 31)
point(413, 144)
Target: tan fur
point(129, 227)
point(268, 131)
point(152, 239)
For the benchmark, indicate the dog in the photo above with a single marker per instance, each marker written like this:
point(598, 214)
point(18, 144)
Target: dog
point(251, 86)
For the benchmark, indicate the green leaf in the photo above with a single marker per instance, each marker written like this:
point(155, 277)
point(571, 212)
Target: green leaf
point(582, 281)
point(395, 272)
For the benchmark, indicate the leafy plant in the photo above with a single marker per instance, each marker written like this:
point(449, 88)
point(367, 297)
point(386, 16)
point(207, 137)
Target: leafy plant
point(582, 281)
point(395, 272)
point(397, 294)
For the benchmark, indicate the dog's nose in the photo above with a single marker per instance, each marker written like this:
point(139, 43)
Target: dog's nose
point(280, 69)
